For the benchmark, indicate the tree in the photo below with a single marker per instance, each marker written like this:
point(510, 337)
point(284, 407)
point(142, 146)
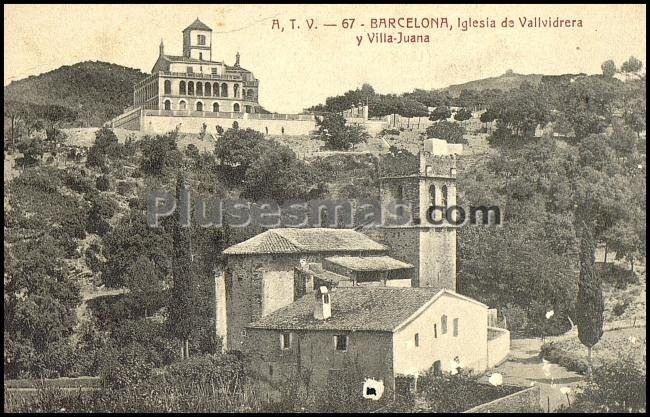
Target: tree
point(449, 131)
point(32, 150)
point(631, 66)
point(182, 307)
point(240, 147)
point(462, 115)
point(143, 282)
point(488, 116)
point(440, 113)
point(589, 303)
point(160, 154)
point(609, 68)
point(106, 145)
point(332, 129)
point(278, 175)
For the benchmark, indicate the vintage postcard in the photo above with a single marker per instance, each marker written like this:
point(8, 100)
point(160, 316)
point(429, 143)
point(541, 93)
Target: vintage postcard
point(324, 208)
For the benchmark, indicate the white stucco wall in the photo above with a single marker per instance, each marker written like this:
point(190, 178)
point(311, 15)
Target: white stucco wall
point(190, 124)
point(470, 345)
point(277, 290)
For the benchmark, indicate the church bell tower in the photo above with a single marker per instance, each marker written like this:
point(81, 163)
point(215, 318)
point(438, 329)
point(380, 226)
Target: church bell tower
point(429, 245)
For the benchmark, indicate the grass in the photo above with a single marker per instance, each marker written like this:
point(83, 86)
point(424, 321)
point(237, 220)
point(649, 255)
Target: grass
point(572, 354)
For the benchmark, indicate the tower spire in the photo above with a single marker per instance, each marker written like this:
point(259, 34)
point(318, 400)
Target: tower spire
point(162, 47)
point(237, 59)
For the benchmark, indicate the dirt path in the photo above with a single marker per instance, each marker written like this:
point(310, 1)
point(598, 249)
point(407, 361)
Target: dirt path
point(524, 367)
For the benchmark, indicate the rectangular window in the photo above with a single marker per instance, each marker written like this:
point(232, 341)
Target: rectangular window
point(190, 70)
point(435, 331)
point(285, 341)
point(417, 340)
point(214, 71)
point(201, 39)
point(341, 342)
point(455, 327)
point(443, 324)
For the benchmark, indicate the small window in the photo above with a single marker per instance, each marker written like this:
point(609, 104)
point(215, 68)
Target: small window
point(285, 341)
point(182, 105)
point(243, 332)
point(214, 71)
point(341, 342)
point(417, 340)
point(201, 39)
point(190, 70)
point(326, 298)
point(443, 324)
point(201, 56)
point(435, 331)
point(455, 327)
point(270, 370)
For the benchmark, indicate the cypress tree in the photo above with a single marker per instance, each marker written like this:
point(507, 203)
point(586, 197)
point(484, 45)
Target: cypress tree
point(589, 303)
point(182, 307)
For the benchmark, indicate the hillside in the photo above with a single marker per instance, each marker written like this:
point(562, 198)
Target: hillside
point(97, 91)
point(503, 82)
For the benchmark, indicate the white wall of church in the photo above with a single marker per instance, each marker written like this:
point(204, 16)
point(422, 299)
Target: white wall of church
point(470, 344)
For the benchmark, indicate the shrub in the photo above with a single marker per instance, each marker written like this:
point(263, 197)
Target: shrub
point(128, 365)
point(572, 362)
point(459, 392)
point(103, 183)
point(616, 386)
point(620, 307)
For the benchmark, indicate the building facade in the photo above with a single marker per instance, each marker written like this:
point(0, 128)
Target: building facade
point(194, 84)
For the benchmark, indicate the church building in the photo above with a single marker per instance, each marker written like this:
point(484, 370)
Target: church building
point(383, 296)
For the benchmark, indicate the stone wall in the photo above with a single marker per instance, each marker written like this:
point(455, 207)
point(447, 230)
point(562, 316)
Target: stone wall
point(312, 354)
point(257, 285)
point(525, 401)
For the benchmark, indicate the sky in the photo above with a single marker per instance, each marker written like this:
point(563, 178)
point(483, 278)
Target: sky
point(301, 67)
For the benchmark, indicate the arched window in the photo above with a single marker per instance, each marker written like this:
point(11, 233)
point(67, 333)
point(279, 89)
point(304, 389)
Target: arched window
point(247, 109)
point(182, 105)
point(235, 90)
point(235, 107)
point(168, 87)
point(199, 89)
point(215, 89)
point(168, 105)
point(444, 196)
point(432, 193)
point(190, 88)
point(215, 107)
point(224, 90)
point(181, 89)
point(251, 94)
point(208, 89)
point(199, 106)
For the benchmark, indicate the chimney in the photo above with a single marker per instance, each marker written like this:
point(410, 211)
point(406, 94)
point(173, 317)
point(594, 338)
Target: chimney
point(322, 304)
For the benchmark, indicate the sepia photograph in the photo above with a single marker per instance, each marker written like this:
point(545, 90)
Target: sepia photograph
point(311, 208)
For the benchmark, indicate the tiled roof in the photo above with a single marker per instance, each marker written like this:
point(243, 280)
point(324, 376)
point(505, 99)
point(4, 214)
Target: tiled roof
point(317, 271)
point(294, 240)
point(197, 25)
point(369, 263)
point(353, 308)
